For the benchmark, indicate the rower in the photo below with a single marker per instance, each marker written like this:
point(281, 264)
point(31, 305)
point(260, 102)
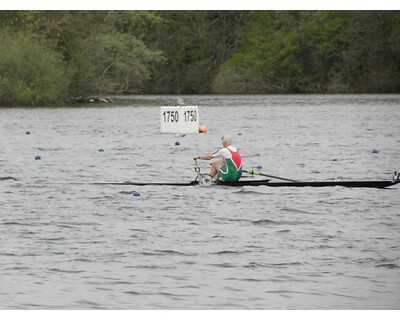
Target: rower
point(228, 167)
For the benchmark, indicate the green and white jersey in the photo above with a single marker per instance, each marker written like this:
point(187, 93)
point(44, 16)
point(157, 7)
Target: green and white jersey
point(232, 170)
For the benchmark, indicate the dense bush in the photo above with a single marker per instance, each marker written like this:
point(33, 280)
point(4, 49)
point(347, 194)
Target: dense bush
point(30, 73)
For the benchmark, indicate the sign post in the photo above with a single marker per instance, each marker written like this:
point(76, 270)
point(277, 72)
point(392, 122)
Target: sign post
point(180, 120)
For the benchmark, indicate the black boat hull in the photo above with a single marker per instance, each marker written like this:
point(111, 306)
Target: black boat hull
point(380, 184)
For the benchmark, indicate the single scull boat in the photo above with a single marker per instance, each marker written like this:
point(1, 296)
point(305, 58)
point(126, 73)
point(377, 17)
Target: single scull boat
point(206, 180)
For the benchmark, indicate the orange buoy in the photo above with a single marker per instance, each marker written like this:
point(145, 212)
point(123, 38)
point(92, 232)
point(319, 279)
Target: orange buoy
point(202, 128)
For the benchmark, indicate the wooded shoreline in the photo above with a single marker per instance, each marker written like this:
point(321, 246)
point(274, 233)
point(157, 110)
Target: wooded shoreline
point(46, 57)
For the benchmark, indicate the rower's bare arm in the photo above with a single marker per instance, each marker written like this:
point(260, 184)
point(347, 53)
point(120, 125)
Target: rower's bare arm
point(203, 157)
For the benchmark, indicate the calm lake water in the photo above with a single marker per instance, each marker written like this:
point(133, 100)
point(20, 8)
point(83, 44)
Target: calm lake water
point(67, 243)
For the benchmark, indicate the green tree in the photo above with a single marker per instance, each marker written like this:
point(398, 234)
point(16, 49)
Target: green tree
point(195, 44)
point(103, 49)
point(30, 73)
point(266, 61)
point(315, 51)
point(371, 60)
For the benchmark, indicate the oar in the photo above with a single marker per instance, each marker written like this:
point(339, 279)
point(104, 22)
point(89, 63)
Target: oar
point(252, 172)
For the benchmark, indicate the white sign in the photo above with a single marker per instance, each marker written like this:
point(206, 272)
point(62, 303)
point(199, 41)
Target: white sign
point(179, 119)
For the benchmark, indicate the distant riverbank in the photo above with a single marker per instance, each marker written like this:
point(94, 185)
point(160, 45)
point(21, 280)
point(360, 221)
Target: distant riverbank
point(48, 56)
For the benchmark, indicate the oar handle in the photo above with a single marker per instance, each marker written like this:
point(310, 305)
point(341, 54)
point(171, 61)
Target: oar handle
point(196, 167)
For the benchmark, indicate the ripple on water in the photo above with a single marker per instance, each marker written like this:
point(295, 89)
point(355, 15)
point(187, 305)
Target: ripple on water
point(67, 243)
